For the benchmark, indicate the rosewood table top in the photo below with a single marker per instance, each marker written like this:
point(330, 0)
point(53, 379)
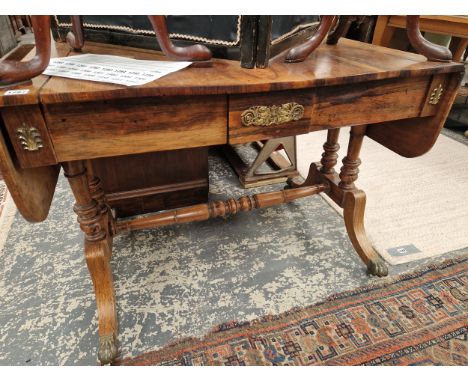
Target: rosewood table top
point(348, 62)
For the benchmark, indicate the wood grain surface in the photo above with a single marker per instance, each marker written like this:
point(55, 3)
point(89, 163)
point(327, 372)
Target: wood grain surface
point(32, 87)
point(31, 189)
point(135, 126)
point(156, 181)
point(330, 107)
point(29, 116)
point(347, 62)
point(414, 137)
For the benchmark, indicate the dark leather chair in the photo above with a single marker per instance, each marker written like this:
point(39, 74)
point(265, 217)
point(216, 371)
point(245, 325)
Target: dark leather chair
point(249, 39)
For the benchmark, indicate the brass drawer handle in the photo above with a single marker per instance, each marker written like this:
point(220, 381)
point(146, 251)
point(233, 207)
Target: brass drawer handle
point(30, 138)
point(272, 115)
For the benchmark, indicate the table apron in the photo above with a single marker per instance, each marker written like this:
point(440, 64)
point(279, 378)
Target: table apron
point(88, 130)
point(135, 126)
point(327, 108)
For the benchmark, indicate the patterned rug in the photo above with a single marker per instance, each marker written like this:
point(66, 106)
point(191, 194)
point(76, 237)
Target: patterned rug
point(415, 319)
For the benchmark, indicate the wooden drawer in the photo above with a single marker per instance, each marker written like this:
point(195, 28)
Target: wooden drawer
point(262, 116)
point(28, 135)
point(277, 114)
point(113, 128)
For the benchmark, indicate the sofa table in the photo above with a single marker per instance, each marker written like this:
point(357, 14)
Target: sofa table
point(397, 99)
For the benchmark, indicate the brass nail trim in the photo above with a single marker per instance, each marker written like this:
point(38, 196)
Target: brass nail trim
point(272, 115)
point(29, 137)
point(436, 94)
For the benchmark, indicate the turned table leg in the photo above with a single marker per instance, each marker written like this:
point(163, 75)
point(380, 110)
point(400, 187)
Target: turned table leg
point(354, 203)
point(330, 152)
point(328, 161)
point(97, 193)
point(93, 219)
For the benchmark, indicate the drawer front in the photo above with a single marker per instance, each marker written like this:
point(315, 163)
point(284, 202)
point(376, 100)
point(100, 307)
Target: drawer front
point(113, 128)
point(28, 135)
point(261, 116)
point(277, 114)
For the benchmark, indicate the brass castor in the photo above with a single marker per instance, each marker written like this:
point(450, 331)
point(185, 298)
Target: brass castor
point(107, 349)
point(377, 268)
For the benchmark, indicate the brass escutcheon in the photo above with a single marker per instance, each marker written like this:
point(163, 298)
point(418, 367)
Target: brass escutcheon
point(272, 115)
point(436, 94)
point(29, 137)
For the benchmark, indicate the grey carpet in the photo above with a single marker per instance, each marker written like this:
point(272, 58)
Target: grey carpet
point(171, 282)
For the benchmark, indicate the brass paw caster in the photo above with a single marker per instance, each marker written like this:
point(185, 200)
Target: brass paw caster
point(107, 349)
point(377, 268)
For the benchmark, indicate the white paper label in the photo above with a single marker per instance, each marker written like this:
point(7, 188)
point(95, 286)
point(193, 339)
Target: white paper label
point(16, 92)
point(113, 69)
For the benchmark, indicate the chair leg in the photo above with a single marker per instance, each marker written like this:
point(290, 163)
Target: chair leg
point(12, 72)
point(301, 52)
point(195, 52)
point(75, 37)
point(431, 51)
point(340, 30)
